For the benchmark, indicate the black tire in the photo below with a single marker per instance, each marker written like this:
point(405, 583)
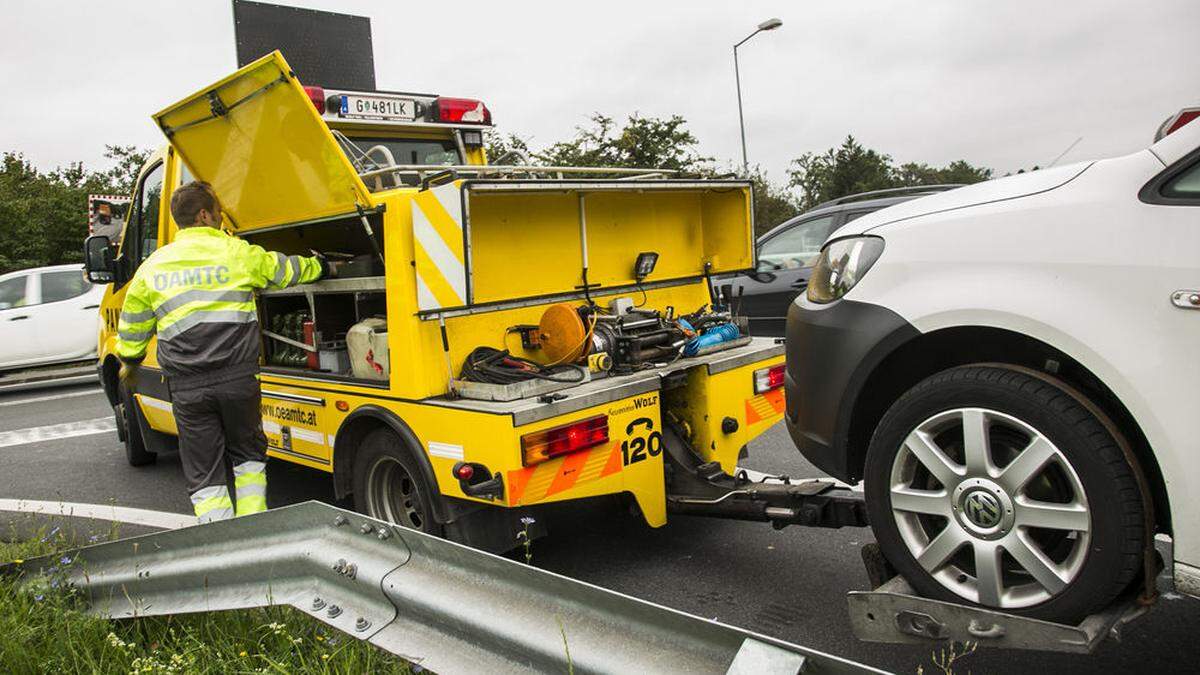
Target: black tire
point(128, 418)
point(390, 485)
point(1098, 564)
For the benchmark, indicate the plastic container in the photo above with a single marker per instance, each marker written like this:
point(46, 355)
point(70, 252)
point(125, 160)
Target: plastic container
point(367, 342)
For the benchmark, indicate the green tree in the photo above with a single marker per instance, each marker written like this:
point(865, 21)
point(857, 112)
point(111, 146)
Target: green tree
point(838, 172)
point(645, 142)
point(43, 215)
point(499, 147)
point(773, 203)
point(851, 168)
point(127, 162)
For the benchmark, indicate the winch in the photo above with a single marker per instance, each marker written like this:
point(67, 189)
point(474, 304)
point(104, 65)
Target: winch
point(632, 338)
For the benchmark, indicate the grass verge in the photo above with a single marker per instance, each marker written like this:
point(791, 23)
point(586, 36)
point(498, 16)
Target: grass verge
point(43, 629)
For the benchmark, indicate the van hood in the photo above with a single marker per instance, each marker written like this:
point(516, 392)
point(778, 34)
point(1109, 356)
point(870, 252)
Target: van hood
point(1000, 189)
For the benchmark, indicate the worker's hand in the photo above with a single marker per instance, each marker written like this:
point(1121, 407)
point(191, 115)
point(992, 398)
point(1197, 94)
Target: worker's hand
point(125, 372)
point(329, 268)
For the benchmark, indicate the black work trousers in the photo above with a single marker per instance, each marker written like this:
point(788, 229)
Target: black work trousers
point(220, 426)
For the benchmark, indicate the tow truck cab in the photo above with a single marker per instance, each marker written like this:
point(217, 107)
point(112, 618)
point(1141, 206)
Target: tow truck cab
point(443, 255)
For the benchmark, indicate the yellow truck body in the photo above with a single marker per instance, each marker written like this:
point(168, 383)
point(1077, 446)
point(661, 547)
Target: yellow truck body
point(464, 260)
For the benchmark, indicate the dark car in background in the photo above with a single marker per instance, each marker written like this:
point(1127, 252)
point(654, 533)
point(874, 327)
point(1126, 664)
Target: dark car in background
point(788, 251)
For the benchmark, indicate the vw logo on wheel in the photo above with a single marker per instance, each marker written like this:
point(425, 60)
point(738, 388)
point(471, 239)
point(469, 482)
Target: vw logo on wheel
point(982, 508)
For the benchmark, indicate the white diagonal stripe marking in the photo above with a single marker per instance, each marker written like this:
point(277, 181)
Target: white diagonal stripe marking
point(425, 299)
point(55, 397)
point(54, 432)
point(439, 252)
point(450, 197)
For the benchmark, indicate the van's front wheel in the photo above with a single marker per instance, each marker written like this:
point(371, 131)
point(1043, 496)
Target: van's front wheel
point(995, 487)
point(389, 484)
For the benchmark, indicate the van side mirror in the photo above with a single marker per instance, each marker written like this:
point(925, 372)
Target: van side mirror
point(98, 259)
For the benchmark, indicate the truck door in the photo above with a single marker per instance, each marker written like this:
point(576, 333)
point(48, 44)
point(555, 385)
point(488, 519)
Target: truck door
point(140, 240)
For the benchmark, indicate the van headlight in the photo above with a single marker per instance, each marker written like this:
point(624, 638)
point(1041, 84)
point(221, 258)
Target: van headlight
point(842, 264)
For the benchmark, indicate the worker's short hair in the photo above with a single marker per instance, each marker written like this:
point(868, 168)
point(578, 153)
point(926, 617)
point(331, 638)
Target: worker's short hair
point(189, 200)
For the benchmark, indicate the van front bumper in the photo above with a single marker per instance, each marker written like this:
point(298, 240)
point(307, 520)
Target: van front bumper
point(831, 351)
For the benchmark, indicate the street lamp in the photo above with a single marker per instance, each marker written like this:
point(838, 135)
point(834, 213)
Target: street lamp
point(769, 24)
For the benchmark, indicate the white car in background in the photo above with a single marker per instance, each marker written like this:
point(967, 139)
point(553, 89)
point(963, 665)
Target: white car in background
point(47, 316)
point(1013, 369)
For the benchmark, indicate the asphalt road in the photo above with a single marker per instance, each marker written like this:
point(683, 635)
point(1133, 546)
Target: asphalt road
point(790, 584)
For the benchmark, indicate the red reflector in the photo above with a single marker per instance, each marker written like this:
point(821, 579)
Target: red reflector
point(461, 110)
point(464, 471)
point(550, 443)
point(317, 96)
point(766, 379)
point(1183, 118)
point(342, 406)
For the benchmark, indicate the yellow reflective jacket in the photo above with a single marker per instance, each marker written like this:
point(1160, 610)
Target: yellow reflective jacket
point(197, 293)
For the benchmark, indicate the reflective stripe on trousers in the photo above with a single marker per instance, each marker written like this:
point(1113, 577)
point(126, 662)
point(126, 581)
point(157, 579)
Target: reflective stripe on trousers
point(250, 487)
point(212, 503)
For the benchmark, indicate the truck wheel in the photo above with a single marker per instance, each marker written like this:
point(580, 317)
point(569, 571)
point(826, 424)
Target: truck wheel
point(990, 486)
point(389, 484)
point(135, 445)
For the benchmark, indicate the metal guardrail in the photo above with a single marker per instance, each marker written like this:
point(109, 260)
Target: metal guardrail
point(444, 606)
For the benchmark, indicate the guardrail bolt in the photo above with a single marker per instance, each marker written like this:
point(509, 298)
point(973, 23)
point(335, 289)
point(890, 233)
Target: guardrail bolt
point(367, 528)
point(362, 624)
point(339, 521)
point(384, 534)
point(318, 604)
point(333, 612)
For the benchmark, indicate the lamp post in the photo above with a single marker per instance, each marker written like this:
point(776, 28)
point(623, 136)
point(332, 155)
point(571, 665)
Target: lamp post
point(769, 24)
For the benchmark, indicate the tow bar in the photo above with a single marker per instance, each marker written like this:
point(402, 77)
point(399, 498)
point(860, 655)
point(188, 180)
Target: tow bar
point(702, 488)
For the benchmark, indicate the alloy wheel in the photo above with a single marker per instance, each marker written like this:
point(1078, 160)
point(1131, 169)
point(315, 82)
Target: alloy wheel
point(990, 508)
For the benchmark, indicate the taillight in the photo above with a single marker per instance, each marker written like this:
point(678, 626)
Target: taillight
point(1175, 122)
point(317, 96)
point(550, 443)
point(461, 110)
point(766, 379)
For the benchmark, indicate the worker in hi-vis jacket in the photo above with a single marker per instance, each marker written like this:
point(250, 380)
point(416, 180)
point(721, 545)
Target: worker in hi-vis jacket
point(197, 294)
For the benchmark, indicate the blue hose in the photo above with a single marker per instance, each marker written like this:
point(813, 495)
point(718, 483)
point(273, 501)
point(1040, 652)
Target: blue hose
point(715, 335)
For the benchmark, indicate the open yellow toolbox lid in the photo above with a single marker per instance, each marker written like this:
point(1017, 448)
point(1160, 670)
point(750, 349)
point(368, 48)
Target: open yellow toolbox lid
point(256, 137)
point(482, 242)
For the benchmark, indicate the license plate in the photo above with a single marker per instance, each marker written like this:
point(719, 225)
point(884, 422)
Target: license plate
point(379, 107)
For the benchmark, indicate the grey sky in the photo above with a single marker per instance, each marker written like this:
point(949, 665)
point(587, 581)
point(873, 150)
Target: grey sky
point(1003, 84)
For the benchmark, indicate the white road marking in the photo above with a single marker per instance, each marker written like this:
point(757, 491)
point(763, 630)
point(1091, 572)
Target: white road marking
point(122, 514)
point(54, 432)
point(40, 399)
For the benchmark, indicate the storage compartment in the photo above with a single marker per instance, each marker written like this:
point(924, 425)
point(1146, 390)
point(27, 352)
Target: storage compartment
point(305, 327)
point(345, 240)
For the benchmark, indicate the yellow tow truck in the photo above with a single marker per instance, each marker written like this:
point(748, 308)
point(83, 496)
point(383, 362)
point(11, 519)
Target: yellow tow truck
point(500, 336)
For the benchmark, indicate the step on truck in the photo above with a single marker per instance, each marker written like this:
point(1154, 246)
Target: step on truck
point(497, 338)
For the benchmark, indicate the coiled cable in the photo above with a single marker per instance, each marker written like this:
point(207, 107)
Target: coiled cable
point(498, 366)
